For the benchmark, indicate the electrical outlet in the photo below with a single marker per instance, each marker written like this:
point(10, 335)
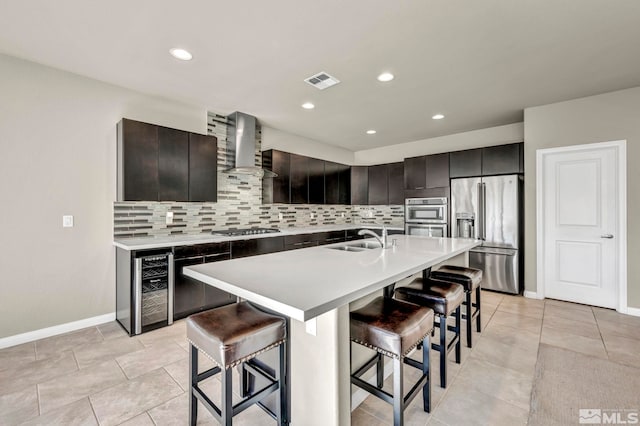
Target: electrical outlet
point(369, 213)
point(67, 221)
point(342, 215)
point(169, 219)
point(280, 216)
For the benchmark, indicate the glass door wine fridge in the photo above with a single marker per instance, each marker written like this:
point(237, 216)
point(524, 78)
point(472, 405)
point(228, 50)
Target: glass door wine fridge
point(144, 301)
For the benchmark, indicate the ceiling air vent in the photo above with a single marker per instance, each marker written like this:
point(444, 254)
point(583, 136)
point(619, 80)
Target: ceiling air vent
point(322, 80)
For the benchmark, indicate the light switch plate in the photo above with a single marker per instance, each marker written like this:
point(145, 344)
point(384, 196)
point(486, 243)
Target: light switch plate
point(67, 221)
point(280, 216)
point(169, 219)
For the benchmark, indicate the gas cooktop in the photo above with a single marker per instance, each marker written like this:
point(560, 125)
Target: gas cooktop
point(249, 231)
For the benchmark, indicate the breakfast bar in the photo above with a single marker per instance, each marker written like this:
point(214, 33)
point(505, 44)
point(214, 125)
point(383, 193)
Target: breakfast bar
point(313, 288)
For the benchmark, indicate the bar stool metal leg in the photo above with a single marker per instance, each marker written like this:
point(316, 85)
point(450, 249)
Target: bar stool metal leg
point(478, 307)
point(426, 370)
point(380, 371)
point(193, 378)
point(443, 351)
point(226, 404)
point(398, 392)
point(469, 316)
point(458, 316)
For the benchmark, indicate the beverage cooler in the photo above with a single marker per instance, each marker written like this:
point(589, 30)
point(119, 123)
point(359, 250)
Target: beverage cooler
point(144, 290)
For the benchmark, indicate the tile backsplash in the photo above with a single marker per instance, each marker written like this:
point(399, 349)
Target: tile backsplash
point(138, 219)
point(239, 206)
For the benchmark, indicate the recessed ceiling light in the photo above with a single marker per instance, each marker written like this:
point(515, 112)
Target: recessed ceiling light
point(438, 117)
point(371, 132)
point(181, 54)
point(385, 76)
point(308, 105)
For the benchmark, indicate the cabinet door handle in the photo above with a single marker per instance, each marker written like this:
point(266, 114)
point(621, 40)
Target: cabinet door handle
point(419, 187)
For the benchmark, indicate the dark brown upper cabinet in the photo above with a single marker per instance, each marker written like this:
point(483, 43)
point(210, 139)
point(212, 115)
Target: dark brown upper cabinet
point(299, 179)
point(378, 191)
point(316, 171)
point(304, 180)
point(359, 185)
point(173, 165)
point(276, 190)
point(337, 183)
point(137, 161)
point(465, 163)
point(426, 172)
point(396, 183)
point(157, 163)
point(502, 159)
point(437, 170)
point(203, 168)
point(415, 172)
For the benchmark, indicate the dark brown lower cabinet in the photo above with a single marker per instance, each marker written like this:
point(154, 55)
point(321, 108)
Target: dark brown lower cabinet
point(256, 246)
point(191, 296)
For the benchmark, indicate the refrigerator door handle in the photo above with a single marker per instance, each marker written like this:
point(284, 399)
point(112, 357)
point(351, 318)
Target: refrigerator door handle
point(480, 212)
point(484, 211)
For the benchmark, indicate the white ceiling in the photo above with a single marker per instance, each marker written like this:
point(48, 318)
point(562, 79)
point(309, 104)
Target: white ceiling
point(478, 62)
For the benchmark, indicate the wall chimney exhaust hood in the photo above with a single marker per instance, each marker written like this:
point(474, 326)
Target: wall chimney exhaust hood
point(241, 136)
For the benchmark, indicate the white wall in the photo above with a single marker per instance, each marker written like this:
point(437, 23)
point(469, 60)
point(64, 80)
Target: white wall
point(277, 139)
point(608, 117)
point(510, 133)
point(58, 136)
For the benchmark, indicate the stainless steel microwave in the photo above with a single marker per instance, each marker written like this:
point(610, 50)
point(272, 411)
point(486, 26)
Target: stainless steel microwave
point(426, 210)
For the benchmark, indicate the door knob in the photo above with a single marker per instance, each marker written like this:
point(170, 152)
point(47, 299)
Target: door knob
point(609, 236)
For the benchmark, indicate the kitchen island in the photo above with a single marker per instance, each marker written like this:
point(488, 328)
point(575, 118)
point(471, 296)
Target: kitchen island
point(313, 287)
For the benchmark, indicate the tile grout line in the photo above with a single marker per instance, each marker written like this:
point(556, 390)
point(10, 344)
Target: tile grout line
point(93, 409)
point(600, 333)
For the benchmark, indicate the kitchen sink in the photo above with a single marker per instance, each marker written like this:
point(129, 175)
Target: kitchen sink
point(367, 245)
point(347, 248)
point(361, 246)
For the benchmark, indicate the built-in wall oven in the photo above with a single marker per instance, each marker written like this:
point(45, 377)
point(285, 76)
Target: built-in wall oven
point(426, 216)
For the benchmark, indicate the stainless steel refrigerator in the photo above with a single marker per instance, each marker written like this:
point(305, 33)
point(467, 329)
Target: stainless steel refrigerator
point(490, 209)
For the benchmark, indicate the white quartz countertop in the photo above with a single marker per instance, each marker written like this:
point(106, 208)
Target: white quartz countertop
point(303, 284)
point(145, 243)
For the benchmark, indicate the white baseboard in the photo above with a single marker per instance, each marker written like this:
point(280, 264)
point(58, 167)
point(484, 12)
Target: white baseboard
point(532, 295)
point(633, 311)
point(30, 336)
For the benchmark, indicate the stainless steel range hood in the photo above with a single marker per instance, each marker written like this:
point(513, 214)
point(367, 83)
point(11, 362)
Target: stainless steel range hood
point(241, 135)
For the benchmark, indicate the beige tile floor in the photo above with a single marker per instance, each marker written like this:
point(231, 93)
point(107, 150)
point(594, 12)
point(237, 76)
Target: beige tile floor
point(99, 375)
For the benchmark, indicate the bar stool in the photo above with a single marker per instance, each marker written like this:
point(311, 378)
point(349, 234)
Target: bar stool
point(470, 279)
point(444, 298)
point(393, 328)
point(233, 335)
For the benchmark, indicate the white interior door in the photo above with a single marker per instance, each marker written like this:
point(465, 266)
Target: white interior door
point(580, 202)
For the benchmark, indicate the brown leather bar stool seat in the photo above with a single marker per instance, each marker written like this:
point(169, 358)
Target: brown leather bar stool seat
point(393, 328)
point(230, 336)
point(444, 298)
point(470, 279)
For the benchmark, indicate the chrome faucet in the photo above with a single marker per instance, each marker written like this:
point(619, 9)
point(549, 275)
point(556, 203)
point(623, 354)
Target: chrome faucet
point(383, 241)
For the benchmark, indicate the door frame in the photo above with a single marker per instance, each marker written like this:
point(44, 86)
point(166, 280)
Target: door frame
point(620, 147)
